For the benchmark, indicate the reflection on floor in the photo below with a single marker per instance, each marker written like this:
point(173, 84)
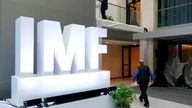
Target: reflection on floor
point(116, 81)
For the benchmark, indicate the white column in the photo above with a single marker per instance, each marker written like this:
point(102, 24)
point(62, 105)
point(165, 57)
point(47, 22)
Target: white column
point(143, 52)
point(149, 14)
point(148, 20)
point(147, 52)
point(150, 54)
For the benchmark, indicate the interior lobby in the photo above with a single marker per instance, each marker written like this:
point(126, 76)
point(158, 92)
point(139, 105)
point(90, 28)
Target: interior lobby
point(65, 54)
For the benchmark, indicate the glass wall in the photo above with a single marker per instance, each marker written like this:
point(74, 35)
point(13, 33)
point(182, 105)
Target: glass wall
point(174, 12)
point(183, 51)
point(174, 63)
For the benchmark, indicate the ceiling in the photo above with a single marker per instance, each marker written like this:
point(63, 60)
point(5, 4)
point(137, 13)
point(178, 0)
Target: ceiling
point(117, 42)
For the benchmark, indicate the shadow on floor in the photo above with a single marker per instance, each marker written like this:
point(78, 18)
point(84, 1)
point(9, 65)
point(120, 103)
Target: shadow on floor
point(175, 94)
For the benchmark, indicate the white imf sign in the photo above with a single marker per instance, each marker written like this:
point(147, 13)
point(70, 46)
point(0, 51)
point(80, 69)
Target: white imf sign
point(74, 50)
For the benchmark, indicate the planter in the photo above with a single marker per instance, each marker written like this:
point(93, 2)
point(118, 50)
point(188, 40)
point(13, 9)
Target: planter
point(123, 95)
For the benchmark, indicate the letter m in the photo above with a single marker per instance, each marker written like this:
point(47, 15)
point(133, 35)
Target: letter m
point(60, 52)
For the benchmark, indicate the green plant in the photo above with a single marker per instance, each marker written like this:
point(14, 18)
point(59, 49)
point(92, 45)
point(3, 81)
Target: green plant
point(110, 18)
point(123, 95)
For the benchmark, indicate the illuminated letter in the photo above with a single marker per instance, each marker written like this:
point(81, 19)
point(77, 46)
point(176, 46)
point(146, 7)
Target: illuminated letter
point(60, 52)
point(24, 46)
point(93, 48)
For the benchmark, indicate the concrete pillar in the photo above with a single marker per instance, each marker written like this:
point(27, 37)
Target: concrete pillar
point(148, 20)
point(143, 52)
point(149, 14)
point(147, 52)
point(150, 53)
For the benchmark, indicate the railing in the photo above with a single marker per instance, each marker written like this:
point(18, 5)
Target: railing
point(119, 14)
point(175, 15)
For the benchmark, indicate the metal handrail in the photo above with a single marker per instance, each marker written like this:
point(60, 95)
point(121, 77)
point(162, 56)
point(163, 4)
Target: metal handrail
point(173, 7)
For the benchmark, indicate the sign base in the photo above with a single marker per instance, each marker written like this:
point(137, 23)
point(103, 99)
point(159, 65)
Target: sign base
point(28, 88)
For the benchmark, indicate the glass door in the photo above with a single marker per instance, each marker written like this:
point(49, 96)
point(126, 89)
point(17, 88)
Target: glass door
point(126, 62)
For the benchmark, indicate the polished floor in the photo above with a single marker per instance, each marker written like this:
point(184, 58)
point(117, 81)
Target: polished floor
point(160, 97)
point(159, 103)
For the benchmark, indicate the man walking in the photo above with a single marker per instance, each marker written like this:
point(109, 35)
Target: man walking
point(143, 75)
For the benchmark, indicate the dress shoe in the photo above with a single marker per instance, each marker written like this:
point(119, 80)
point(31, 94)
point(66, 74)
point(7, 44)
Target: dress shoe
point(146, 105)
point(141, 100)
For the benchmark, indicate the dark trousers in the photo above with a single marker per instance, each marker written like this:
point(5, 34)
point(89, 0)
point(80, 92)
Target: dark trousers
point(103, 13)
point(143, 88)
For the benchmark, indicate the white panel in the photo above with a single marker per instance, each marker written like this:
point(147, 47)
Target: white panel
point(28, 88)
point(24, 45)
point(92, 47)
point(59, 51)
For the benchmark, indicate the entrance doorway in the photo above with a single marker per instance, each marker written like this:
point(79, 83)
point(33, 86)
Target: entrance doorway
point(130, 60)
point(173, 63)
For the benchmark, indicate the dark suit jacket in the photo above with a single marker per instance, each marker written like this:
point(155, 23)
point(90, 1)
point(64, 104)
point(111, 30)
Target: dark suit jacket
point(104, 4)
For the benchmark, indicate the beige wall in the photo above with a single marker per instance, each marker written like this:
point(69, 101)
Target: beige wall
point(112, 60)
point(186, 52)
